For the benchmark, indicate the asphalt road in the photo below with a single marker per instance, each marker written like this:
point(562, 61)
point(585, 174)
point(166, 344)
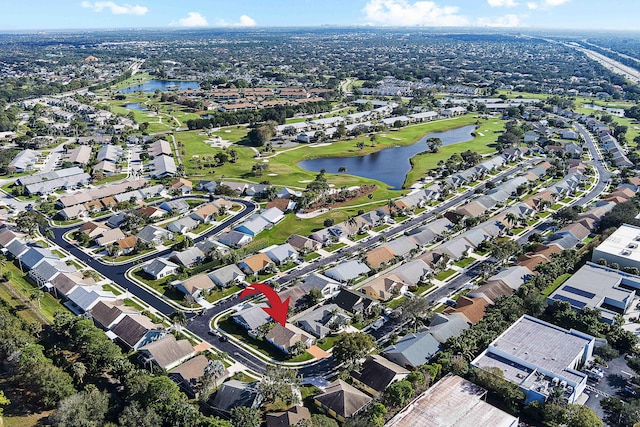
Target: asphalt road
point(199, 324)
point(116, 273)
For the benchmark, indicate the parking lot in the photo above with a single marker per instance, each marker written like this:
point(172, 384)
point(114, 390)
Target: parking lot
point(615, 377)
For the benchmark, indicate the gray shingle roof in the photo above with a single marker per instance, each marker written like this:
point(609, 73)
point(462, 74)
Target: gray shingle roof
point(413, 349)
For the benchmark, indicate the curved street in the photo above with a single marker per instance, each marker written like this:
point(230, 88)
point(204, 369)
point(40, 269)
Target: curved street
point(199, 324)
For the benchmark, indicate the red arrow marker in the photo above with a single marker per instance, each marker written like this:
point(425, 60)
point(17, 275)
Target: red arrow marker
point(278, 310)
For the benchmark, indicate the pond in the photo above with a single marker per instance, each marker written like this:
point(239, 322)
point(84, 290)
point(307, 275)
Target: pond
point(135, 106)
point(390, 165)
point(163, 85)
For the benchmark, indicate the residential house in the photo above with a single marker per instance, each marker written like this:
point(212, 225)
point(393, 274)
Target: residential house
point(136, 330)
point(82, 299)
point(164, 166)
point(412, 350)
point(234, 393)
point(292, 417)
point(195, 285)
point(182, 225)
point(286, 337)
point(255, 264)
point(514, 277)
point(323, 320)
point(472, 308)
point(153, 212)
point(385, 287)
point(251, 317)
point(189, 374)
point(182, 186)
point(303, 244)
point(444, 326)
point(205, 213)
point(353, 302)
point(342, 400)
point(235, 239)
point(154, 235)
point(298, 297)
point(378, 373)
point(34, 256)
point(325, 285)
point(166, 353)
point(347, 270)
point(253, 226)
point(106, 314)
point(109, 237)
point(227, 276)
point(379, 257)
point(282, 254)
point(160, 268)
point(124, 246)
point(175, 206)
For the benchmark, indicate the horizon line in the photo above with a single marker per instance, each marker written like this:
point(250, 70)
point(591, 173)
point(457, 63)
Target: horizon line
point(316, 27)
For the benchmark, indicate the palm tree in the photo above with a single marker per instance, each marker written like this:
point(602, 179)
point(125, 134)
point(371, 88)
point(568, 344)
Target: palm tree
point(511, 218)
point(37, 295)
point(179, 319)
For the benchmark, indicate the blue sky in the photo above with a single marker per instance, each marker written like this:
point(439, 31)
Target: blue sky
point(68, 14)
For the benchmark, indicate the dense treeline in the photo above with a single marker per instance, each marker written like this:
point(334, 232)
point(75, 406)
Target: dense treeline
point(15, 89)
point(66, 366)
point(117, 80)
point(278, 114)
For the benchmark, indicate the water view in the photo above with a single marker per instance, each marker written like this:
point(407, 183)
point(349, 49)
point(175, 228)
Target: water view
point(135, 106)
point(163, 85)
point(390, 165)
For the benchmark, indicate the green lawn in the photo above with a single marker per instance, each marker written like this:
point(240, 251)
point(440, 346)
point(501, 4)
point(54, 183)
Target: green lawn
point(393, 304)
point(161, 285)
point(444, 275)
point(482, 144)
point(465, 262)
point(19, 282)
point(111, 178)
point(556, 284)
point(327, 342)
point(111, 289)
point(232, 328)
point(215, 295)
point(311, 256)
point(335, 247)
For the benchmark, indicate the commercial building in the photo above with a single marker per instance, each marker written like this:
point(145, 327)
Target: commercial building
point(539, 358)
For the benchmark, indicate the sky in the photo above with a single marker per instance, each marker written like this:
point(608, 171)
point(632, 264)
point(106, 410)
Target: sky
point(89, 14)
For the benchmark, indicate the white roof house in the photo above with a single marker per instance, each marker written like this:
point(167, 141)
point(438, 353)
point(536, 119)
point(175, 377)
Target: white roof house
point(622, 247)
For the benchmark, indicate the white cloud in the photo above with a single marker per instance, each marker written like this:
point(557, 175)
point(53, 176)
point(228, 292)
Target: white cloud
point(502, 3)
point(193, 19)
point(403, 13)
point(116, 9)
point(532, 6)
point(245, 21)
point(501, 21)
point(555, 2)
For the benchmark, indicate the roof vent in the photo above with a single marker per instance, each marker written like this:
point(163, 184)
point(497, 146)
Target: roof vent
point(632, 246)
point(626, 252)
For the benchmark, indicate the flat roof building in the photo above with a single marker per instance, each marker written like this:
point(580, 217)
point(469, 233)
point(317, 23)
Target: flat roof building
point(539, 357)
point(598, 287)
point(622, 247)
point(452, 402)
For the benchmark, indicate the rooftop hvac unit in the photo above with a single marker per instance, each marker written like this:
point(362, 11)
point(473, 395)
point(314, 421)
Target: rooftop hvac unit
point(625, 252)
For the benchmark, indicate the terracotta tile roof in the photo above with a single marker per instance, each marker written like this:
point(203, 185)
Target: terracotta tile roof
point(472, 308)
point(378, 256)
point(257, 262)
point(127, 242)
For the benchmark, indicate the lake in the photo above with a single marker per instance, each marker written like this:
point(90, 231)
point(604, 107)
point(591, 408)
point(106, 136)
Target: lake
point(135, 106)
point(163, 85)
point(390, 165)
